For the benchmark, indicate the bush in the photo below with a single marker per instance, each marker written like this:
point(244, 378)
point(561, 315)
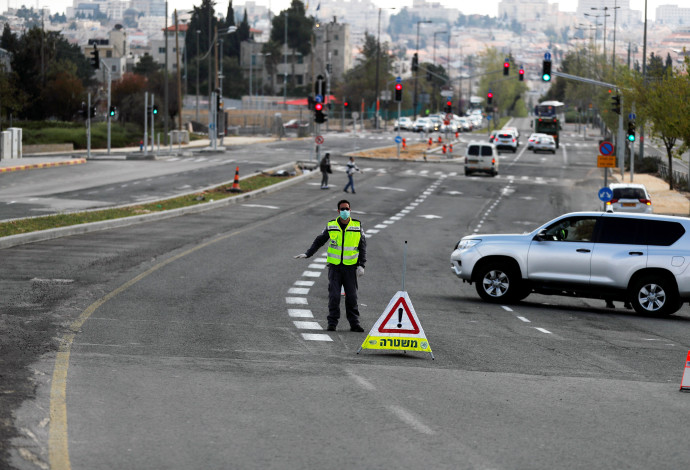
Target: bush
point(647, 165)
point(56, 132)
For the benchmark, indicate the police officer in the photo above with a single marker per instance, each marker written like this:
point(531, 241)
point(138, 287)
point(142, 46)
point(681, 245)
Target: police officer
point(346, 256)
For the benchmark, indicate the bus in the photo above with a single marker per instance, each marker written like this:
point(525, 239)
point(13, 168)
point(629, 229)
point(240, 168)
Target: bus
point(548, 116)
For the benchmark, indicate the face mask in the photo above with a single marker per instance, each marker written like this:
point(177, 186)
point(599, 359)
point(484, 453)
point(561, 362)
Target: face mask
point(344, 214)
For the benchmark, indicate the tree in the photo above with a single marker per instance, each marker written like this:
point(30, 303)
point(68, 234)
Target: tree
point(272, 57)
point(128, 97)
point(63, 95)
point(300, 30)
point(200, 22)
point(146, 66)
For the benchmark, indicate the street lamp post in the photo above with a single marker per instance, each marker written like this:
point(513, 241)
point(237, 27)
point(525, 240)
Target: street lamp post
point(197, 74)
point(605, 14)
point(416, 72)
point(435, 103)
point(378, 54)
point(615, 18)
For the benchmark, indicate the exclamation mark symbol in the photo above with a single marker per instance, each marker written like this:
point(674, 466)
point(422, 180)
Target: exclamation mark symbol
point(400, 312)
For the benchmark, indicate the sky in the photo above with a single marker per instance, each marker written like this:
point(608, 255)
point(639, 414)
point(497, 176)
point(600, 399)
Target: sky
point(485, 7)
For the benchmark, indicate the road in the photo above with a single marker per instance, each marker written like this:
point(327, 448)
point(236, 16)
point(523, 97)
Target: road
point(190, 343)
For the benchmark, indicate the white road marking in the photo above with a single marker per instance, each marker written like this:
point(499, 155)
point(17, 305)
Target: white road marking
point(300, 313)
point(380, 226)
point(430, 216)
point(396, 218)
point(543, 330)
point(304, 283)
point(390, 189)
point(524, 319)
point(507, 309)
point(316, 337)
point(407, 418)
point(298, 291)
point(362, 382)
point(261, 205)
point(307, 325)
point(371, 231)
point(311, 274)
point(296, 301)
point(317, 266)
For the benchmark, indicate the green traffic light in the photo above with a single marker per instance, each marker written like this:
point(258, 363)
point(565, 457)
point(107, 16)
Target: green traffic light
point(546, 77)
point(631, 137)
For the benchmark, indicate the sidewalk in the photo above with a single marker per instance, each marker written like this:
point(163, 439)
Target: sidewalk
point(76, 157)
point(664, 200)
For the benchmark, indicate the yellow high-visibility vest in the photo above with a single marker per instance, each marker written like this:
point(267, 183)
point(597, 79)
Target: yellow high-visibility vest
point(344, 246)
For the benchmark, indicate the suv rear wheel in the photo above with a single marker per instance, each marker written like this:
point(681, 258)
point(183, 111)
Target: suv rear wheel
point(497, 282)
point(654, 295)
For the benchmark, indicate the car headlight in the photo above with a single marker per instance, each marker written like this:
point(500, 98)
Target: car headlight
point(464, 244)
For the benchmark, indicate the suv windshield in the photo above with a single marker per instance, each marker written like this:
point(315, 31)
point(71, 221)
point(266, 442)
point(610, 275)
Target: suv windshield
point(628, 193)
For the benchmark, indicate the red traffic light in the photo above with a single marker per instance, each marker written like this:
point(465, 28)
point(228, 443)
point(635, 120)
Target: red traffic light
point(398, 86)
point(318, 106)
point(489, 95)
point(346, 104)
point(521, 72)
point(506, 64)
point(449, 103)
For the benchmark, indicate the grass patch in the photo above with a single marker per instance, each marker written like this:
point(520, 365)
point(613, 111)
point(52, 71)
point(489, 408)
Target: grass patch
point(34, 224)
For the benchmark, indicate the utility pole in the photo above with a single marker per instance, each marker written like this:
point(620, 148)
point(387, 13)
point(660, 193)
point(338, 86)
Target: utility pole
point(416, 72)
point(166, 98)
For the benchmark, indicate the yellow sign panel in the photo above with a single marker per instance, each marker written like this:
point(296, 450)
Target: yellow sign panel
point(606, 161)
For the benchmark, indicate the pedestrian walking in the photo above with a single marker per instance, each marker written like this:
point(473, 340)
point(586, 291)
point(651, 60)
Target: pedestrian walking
point(351, 168)
point(346, 257)
point(325, 167)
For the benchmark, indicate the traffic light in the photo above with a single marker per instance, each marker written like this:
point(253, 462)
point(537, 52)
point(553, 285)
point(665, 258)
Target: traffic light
point(319, 116)
point(521, 75)
point(631, 131)
point(346, 105)
point(415, 62)
point(219, 102)
point(616, 104)
point(398, 92)
point(95, 62)
point(546, 71)
point(155, 109)
point(489, 98)
point(506, 67)
point(329, 68)
point(92, 111)
point(112, 111)
point(449, 107)
point(320, 86)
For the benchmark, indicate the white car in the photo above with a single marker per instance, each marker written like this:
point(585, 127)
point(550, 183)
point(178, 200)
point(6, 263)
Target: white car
point(544, 143)
point(405, 124)
point(506, 140)
point(423, 125)
point(530, 141)
point(481, 157)
point(629, 197)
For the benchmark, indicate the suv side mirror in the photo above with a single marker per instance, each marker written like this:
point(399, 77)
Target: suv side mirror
point(541, 236)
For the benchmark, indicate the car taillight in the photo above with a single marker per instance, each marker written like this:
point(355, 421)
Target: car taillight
point(513, 140)
point(612, 201)
point(493, 161)
point(646, 201)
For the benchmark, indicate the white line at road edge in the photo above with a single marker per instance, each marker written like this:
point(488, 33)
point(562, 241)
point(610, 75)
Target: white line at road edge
point(543, 330)
point(407, 418)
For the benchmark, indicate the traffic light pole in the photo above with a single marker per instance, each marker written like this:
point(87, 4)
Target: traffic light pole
point(146, 123)
point(398, 130)
point(153, 133)
point(110, 81)
point(88, 128)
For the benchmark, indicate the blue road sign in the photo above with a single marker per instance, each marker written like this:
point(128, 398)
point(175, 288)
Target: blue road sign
point(398, 139)
point(547, 56)
point(318, 98)
point(398, 80)
point(489, 117)
point(605, 194)
point(606, 148)
point(632, 116)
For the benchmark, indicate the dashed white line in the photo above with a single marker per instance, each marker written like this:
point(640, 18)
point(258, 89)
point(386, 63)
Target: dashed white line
point(311, 274)
point(300, 313)
point(307, 325)
point(524, 319)
point(296, 301)
point(507, 309)
point(316, 337)
point(407, 418)
point(304, 283)
point(543, 330)
point(298, 291)
point(317, 266)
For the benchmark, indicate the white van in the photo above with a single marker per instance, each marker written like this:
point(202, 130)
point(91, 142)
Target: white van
point(481, 157)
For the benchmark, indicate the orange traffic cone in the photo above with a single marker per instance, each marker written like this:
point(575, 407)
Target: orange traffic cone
point(444, 149)
point(685, 381)
point(236, 184)
point(451, 148)
point(440, 139)
point(430, 141)
point(456, 135)
point(404, 142)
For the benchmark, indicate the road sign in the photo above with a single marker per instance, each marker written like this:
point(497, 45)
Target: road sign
point(318, 98)
point(606, 161)
point(447, 93)
point(632, 116)
point(489, 117)
point(605, 194)
point(398, 80)
point(547, 56)
point(606, 148)
point(318, 139)
point(355, 115)
point(398, 139)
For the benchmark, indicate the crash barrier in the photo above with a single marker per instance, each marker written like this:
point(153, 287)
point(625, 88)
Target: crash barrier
point(177, 137)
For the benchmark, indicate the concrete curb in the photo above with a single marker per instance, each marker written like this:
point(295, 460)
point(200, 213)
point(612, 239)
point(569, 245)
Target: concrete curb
point(42, 235)
point(33, 166)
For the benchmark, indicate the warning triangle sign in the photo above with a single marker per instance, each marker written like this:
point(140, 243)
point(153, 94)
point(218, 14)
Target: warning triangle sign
point(398, 328)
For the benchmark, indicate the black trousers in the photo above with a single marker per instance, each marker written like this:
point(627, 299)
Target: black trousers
point(346, 277)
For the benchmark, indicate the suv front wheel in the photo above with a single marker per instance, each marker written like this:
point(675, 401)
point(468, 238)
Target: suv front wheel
point(496, 282)
point(655, 296)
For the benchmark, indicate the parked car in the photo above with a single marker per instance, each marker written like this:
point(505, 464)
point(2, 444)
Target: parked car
point(530, 141)
point(506, 140)
point(295, 124)
point(544, 143)
point(481, 157)
point(405, 124)
point(422, 125)
point(464, 124)
point(629, 197)
point(639, 258)
point(492, 136)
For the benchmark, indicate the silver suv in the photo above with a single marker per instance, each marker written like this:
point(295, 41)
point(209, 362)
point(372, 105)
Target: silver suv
point(639, 258)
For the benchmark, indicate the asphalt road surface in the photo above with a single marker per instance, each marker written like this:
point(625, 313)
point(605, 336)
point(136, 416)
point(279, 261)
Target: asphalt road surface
point(199, 342)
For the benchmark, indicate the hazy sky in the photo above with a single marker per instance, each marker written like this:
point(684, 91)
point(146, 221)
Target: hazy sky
point(485, 7)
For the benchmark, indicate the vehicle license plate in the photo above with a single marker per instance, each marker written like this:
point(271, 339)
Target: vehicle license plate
point(629, 204)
